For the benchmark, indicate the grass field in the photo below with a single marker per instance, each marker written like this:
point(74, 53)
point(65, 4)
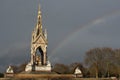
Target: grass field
point(44, 76)
point(49, 77)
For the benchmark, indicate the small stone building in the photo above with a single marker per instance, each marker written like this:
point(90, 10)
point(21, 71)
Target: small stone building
point(78, 72)
point(9, 72)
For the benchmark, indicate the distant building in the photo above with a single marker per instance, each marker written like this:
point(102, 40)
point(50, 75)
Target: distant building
point(78, 72)
point(9, 72)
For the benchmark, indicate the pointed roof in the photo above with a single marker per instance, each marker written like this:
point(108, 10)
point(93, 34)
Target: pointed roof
point(77, 71)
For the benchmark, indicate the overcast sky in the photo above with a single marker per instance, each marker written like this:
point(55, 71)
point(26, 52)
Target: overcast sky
point(74, 27)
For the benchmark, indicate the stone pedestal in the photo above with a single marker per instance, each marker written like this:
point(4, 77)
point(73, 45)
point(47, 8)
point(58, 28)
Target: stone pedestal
point(46, 68)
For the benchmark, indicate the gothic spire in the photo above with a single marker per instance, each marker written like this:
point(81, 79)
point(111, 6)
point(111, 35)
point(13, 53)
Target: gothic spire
point(39, 19)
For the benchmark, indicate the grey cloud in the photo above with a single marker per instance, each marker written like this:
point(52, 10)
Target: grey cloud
point(61, 18)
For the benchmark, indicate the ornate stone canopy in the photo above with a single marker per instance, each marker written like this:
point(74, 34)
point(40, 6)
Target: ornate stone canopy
point(39, 44)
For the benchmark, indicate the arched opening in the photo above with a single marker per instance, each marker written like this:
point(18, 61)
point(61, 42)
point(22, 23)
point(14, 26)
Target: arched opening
point(39, 59)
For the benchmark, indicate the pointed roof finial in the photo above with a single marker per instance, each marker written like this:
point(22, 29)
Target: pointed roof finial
point(39, 6)
point(45, 33)
point(39, 10)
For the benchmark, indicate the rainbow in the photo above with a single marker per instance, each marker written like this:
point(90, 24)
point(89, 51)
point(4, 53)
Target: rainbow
point(93, 22)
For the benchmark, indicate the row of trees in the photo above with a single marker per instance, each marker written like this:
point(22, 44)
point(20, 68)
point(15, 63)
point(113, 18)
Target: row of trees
point(67, 69)
point(103, 62)
point(98, 62)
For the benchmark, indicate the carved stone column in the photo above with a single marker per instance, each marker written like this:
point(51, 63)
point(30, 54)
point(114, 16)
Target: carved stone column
point(45, 59)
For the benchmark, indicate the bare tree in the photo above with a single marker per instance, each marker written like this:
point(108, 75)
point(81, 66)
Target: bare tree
point(100, 59)
point(73, 66)
point(117, 60)
point(60, 68)
point(20, 68)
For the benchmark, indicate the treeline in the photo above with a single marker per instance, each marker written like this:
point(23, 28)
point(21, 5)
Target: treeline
point(103, 62)
point(67, 69)
point(98, 62)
